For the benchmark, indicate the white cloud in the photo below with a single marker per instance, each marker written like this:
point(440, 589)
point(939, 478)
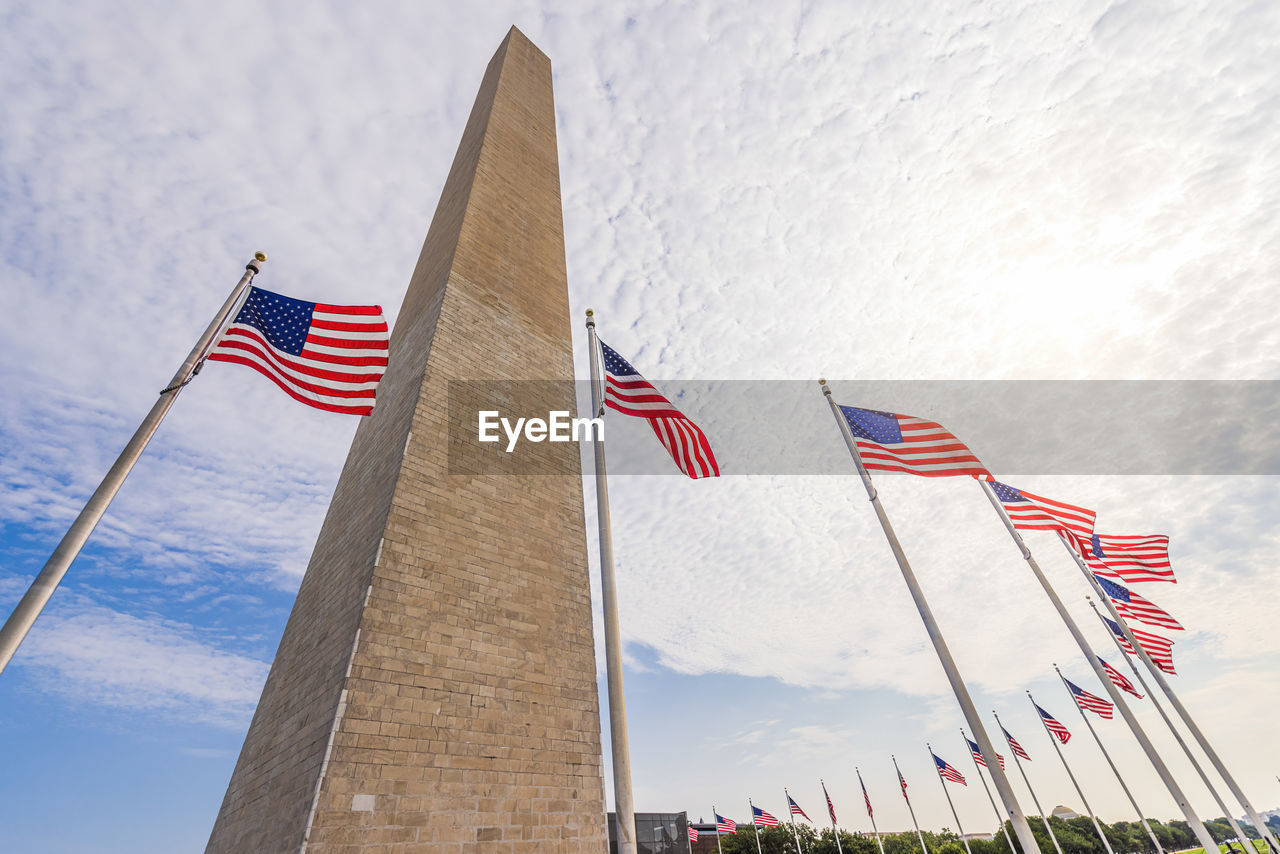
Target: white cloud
point(95, 655)
point(775, 190)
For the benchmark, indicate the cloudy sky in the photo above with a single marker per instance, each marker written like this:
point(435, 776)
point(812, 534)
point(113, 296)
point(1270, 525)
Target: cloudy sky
point(765, 191)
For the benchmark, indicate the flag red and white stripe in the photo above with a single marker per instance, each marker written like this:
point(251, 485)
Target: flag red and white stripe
point(1014, 746)
point(948, 771)
point(327, 356)
point(725, 825)
point(887, 441)
point(1135, 607)
point(1118, 679)
point(693, 833)
point(866, 798)
point(1131, 557)
point(795, 809)
point(1030, 512)
point(831, 808)
point(1090, 702)
point(977, 756)
point(626, 391)
point(1160, 649)
point(763, 818)
point(1060, 732)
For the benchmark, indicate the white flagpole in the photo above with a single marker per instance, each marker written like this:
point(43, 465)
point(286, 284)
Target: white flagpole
point(1176, 735)
point(835, 831)
point(923, 847)
point(1053, 738)
point(1074, 782)
point(871, 813)
point(715, 816)
point(624, 806)
point(1085, 717)
point(933, 757)
point(1193, 820)
point(755, 828)
point(1023, 772)
point(958, 687)
point(794, 831)
point(42, 588)
point(991, 798)
point(1156, 674)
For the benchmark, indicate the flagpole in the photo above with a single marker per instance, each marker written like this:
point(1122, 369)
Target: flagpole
point(1054, 739)
point(755, 828)
point(623, 803)
point(1240, 834)
point(1023, 772)
point(1114, 769)
point(1193, 821)
point(1021, 827)
point(835, 831)
point(1236, 791)
point(715, 816)
point(42, 588)
point(794, 832)
point(954, 814)
point(871, 813)
point(991, 798)
point(923, 848)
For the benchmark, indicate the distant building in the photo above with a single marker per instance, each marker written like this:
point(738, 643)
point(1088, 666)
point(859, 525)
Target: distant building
point(657, 833)
point(1063, 812)
point(986, 837)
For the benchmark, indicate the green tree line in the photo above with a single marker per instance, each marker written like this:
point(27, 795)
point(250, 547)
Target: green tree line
point(1075, 835)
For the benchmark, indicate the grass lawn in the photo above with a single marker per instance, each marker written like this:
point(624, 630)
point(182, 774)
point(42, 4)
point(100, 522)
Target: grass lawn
point(1258, 844)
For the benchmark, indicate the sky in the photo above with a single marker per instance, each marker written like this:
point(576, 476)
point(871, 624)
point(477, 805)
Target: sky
point(767, 192)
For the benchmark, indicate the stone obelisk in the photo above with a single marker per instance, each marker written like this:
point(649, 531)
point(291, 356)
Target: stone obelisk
point(435, 687)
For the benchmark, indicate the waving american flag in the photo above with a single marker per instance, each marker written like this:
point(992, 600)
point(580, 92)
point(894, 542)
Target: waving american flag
point(1160, 649)
point(1089, 702)
point(1131, 606)
point(1054, 726)
point(1131, 558)
point(631, 394)
point(977, 754)
point(327, 356)
point(1118, 679)
point(902, 443)
point(1030, 512)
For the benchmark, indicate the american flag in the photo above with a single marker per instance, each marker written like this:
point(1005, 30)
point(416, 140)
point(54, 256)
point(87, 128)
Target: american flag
point(901, 443)
point(977, 755)
point(1030, 512)
point(327, 356)
point(693, 833)
point(902, 781)
point(1134, 607)
point(831, 808)
point(795, 809)
point(1160, 649)
point(1014, 746)
point(760, 818)
point(1118, 679)
point(1054, 726)
point(725, 825)
point(947, 771)
point(866, 798)
point(1131, 558)
point(631, 394)
point(1088, 701)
